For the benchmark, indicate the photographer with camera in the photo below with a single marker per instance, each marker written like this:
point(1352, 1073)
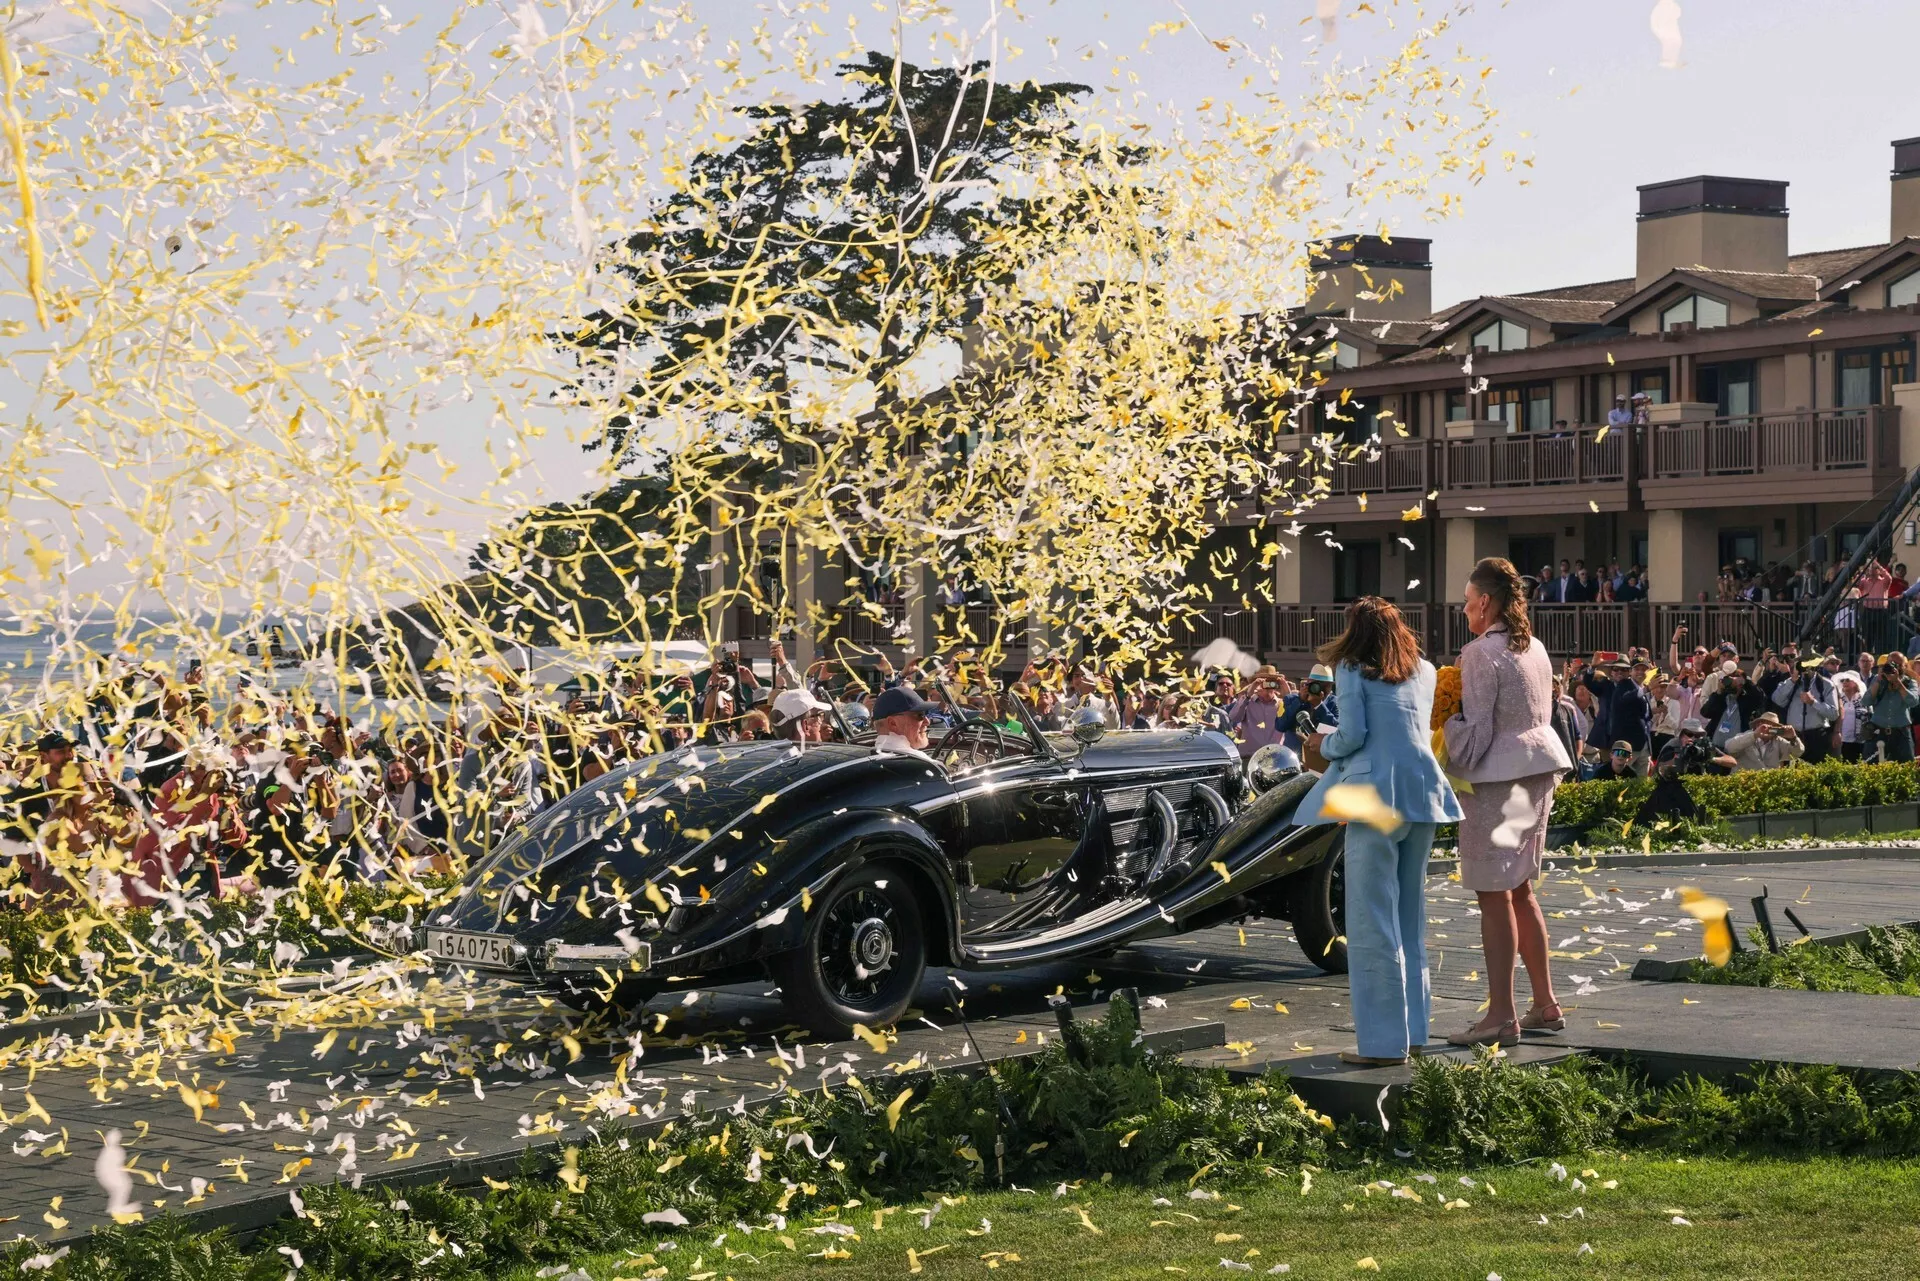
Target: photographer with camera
point(1889, 702)
point(1255, 720)
point(1690, 752)
point(1807, 704)
point(1303, 712)
point(1730, 709)
point(1768, 745)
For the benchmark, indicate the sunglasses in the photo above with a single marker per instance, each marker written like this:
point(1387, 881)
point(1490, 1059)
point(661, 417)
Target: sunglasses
point(1618, 752)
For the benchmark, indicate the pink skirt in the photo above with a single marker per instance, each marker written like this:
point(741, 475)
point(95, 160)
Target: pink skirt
point(1503, 831)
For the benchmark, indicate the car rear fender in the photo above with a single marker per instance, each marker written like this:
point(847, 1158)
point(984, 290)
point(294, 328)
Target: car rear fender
point(814, 856)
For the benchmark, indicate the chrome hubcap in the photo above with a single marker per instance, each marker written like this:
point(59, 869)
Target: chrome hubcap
point(872, 945)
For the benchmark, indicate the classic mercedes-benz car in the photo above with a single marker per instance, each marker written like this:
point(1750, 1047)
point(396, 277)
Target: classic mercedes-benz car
point(845, 871)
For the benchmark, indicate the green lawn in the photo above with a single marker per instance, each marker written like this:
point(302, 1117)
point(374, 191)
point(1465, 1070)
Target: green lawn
point(1755, 1218)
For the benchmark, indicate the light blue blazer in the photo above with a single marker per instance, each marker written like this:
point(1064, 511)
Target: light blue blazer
point(1385, 739)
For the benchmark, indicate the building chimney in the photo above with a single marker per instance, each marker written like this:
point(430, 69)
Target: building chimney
point(1397, 274)
point(1730, 224)
point(1906, 188)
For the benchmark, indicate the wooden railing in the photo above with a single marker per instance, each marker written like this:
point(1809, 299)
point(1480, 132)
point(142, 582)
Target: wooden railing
point(1779, 444)
point(751, 625)
point(1233, 622)
point(1301, 629)
point(1753, 444)
point(1583, 456)
point(872, 624)
point(1569, 631)
point(1750, 627)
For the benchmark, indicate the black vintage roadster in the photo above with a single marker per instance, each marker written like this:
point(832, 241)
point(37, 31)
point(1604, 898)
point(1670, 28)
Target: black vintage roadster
point(845, 871)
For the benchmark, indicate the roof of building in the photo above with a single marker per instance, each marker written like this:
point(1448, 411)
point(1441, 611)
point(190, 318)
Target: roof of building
point(1555, 311)
point(1593, 308)
point(1391, 333)
point(1602, 290)
point(1793, 285)
point(1828, 264)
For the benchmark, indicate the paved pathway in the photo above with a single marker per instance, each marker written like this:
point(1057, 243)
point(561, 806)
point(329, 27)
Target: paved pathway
point(470, 1093)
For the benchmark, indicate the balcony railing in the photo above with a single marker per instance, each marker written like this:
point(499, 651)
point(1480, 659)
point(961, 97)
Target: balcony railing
point(1583, 456)
point(1575, 630)
point(1826, 440)
point(1234, 622)
point(1301, 629)
point(751, 625)
point(1780, 444)
point(872, 624)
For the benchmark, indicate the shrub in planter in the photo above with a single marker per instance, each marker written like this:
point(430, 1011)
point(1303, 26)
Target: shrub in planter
point(1829, 785)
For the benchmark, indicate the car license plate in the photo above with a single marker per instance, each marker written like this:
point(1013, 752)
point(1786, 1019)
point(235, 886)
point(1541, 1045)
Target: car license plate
point(490, 951)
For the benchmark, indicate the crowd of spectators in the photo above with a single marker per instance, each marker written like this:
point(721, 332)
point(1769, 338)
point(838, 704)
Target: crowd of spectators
point(1573, 583)
point(163, 784)
point(1620, 714)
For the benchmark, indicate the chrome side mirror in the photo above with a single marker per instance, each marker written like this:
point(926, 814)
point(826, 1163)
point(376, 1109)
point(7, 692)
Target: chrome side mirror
point(1088, 727)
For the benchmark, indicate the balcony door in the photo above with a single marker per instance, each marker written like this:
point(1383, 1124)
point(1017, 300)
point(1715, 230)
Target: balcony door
point(1728, 385)
point(1356, 570)
point(1530, 553)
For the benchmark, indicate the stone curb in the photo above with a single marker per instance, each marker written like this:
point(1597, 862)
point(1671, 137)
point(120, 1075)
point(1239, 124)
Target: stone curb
point(1560, 860)
point(1652, 970)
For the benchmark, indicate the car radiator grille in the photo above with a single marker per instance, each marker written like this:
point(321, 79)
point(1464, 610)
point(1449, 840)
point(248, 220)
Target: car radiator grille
point(1132, 823)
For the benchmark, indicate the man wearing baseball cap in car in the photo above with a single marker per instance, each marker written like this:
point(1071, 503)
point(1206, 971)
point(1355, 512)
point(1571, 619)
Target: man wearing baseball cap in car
point(798, 716)
point(900, 721)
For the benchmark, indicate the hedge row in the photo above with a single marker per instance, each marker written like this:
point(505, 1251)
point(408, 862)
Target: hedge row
point(1828, 785)
point(1102, 1107)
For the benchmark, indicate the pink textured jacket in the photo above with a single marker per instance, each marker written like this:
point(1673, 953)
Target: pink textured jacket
point(1505, 728)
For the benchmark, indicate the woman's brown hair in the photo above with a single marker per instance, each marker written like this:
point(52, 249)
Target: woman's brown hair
point(1498, 579)
point(1377, 641)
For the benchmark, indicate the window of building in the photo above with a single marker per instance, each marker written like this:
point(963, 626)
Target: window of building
point(1729, 385)
point(1867, 376)
point(1356, 570)
point(1527, 408)
point(1355, 422)
point(1639, 548)
point(1501, 335)
point(1457, 406)
point(1340, 355)
point(1653, 382)
point(1905, 291)
point(1695, 309)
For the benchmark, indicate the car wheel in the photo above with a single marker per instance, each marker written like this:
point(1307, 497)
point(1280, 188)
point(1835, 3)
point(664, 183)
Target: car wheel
point(862, 957)
point(592, 997)
point(1319, 910)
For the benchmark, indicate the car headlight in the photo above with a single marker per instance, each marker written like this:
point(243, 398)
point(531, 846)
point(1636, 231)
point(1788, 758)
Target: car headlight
point(1271, 766)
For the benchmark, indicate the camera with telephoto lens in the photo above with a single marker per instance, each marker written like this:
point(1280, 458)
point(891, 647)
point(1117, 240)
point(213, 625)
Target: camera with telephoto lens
point(1691, 758)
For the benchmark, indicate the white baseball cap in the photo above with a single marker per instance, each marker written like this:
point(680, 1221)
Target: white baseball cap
point(792, 704)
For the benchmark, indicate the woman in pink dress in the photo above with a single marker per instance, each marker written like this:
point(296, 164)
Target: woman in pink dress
point(1504, 744)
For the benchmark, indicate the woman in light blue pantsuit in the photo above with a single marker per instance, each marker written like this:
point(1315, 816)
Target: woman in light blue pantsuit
point(1385, 690)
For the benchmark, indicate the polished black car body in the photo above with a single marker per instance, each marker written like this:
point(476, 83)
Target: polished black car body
point(845, 870)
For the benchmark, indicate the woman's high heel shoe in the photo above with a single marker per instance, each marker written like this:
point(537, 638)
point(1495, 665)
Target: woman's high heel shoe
point(1536, 1021)
point(1500, 1034)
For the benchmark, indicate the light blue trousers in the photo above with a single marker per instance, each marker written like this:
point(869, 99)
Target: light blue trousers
point(1387, 936)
